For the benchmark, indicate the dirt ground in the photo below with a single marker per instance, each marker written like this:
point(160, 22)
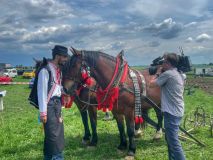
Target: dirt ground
point(204, 83)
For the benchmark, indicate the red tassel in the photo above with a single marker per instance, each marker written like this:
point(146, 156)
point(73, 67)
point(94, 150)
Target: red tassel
point(69, 104)
point(136, 120)
point(67, 100)
point(84, 75)
point(141, 120)
point(89, 82)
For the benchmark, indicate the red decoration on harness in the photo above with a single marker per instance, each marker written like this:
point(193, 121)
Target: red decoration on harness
point(123, 78)
point(112, 93)
point(86, 77)
point(110, 99)
point(67, 100)
point(89, 82)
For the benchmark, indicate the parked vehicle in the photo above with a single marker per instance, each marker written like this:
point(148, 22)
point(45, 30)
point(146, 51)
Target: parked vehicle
point(10, 72)
point(29, 74)
point(20, 72)
point(5, 79)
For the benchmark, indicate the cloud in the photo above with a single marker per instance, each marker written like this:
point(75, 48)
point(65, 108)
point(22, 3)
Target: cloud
point(140, 27)
point(154, 44)
point(189, 39)
point(203, 37)
point(191, 24)
point(161, 8)
point(11, 35)
point(167, 29)
point(47, 34)
point(39, 10)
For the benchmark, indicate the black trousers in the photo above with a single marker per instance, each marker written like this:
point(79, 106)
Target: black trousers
point(54, 130)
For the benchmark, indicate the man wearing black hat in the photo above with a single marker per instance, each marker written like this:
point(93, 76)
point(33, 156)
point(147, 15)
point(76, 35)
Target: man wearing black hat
point(49, 101)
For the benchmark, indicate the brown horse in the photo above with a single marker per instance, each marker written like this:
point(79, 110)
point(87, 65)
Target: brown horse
point(102, 68)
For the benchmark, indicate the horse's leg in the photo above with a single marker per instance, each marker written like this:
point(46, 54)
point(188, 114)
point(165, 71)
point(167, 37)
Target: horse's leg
point(158, 134)
point(130, 123)
point(93, 121)
point(120, 123)
point(84, 116)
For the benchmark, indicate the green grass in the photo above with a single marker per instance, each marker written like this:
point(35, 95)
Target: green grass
point(21, 136)
point(21, 79)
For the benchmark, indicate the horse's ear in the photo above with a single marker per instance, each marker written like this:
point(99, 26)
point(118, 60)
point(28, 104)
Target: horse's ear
point(121, 55)
point(45, 61)
point(75, 51)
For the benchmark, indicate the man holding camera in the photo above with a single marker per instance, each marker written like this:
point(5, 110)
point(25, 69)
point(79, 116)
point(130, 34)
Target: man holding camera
point(171, 83)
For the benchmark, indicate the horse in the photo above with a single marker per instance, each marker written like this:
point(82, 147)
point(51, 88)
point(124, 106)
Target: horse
point(101, 67)
point(84, 100)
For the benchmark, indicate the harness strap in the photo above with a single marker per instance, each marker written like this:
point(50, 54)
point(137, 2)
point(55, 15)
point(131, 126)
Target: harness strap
point(138, 116)
point(143, 82)
point(137, 92)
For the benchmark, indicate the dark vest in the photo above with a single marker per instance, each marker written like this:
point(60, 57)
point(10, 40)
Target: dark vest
point(33, 97)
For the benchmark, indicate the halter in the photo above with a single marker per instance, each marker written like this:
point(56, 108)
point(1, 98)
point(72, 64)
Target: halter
point(85, 74)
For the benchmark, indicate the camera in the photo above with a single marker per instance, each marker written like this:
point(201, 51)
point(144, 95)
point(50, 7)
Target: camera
point(184, 64)
point(153, 68)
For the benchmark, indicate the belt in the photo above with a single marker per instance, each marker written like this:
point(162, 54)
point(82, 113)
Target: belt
point(55, 97)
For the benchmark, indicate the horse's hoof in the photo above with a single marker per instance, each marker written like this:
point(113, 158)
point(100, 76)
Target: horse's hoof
point(122, 147)
point(138, 133)
point(131, 153)
point(120, 151)
point(129, 157)
point(92, 144)
point(85, 142)
point(158, 135)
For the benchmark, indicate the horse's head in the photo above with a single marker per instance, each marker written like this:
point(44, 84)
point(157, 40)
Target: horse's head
point(75, 71)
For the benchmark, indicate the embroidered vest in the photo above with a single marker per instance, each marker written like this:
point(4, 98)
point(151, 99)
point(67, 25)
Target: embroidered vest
point(33, 97)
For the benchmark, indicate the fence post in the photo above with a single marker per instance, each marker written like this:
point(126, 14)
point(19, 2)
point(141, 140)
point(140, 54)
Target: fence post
point(2, 94)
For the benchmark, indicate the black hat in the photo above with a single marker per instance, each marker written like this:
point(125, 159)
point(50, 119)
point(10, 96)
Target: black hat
point(60, 50)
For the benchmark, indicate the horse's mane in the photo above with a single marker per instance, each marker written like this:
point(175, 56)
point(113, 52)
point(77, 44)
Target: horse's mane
point(90, 56)
point(97, 54)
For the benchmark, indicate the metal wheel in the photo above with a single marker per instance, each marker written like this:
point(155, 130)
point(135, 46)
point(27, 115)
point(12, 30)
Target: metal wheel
point(200, 117)
point(189, 122)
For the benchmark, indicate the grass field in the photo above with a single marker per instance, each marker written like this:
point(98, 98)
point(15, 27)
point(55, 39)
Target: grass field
point(21, 136)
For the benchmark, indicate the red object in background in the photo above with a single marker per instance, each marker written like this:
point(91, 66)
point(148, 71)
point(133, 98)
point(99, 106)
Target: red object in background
point(5, 79)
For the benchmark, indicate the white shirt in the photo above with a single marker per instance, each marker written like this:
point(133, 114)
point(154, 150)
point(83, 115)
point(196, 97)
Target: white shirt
point(42, 87)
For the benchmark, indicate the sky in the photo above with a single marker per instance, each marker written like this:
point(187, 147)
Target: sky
point(144, 29)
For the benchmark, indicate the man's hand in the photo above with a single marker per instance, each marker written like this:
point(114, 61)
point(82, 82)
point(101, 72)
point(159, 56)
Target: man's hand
point(43, 118)
point(60, 119)
point(159, 70)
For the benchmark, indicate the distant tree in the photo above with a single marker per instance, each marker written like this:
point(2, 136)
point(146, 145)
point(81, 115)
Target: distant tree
point(19, 66)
